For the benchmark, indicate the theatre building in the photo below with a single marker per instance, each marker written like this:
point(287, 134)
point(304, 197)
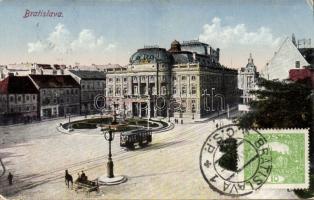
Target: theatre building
point(185, 81)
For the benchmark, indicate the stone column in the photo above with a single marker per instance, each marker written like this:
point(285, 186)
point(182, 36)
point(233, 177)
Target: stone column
point(130, 85)
point(147, 85)
point(140, 109)
point(139, 85)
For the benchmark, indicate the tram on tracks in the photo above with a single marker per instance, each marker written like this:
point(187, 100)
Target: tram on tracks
point(131, 139)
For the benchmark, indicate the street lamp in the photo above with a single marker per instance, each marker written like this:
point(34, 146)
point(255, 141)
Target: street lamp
point(168, 112)
point(110, 179)
point(109, 137)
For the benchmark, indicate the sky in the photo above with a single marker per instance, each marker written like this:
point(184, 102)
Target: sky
point(102, 32)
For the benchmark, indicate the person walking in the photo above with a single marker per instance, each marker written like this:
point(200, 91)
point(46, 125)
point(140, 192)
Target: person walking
point(10, 178)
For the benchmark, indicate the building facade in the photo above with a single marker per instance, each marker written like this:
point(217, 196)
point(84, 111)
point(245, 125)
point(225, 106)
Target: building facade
point(184, 81)
point(290, 55)
point(92, 84)
point(247, 80)
point(59, 95)
point(18, 100)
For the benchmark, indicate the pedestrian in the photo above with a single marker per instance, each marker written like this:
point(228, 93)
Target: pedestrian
point(217, 125)
point(10, 178)
point(181, 121)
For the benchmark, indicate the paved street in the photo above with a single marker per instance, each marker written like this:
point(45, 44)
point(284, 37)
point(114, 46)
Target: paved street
point(38, 154)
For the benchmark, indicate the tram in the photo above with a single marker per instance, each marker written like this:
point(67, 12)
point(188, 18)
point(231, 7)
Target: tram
point(140, 137)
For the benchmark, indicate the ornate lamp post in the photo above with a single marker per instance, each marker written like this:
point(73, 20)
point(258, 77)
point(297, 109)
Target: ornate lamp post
point(110, 179)
point(109, 137)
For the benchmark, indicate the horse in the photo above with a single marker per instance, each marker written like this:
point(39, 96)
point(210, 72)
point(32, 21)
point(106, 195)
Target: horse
point(68, 179)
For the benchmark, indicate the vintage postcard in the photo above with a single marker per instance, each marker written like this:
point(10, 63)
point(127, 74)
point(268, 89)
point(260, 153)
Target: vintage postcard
point(156, 99)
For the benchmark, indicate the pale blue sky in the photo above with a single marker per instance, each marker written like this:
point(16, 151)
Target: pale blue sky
point(110, 31)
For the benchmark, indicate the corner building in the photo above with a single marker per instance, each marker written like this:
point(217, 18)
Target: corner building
point(184, 81)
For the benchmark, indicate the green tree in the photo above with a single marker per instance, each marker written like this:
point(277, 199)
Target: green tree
point(279, 104)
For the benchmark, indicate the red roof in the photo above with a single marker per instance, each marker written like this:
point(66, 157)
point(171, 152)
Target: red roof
point(306, 75)
point(54, 81)
point(17, 85)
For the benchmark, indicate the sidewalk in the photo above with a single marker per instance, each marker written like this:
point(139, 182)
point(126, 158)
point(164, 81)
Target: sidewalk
point(188, 120)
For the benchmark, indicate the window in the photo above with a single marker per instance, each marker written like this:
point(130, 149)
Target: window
point(193, 78)
point(83, 86)
point(143, 78)
point(193, 89)
point(183, 78)
point(27, 98)
point(134, 78)
point(163, 78)
point(72, 92)
point(174, 90)
point(164, 90)
point(174, 78)
point(44, 92)
point(118, 80)
point(110, 79)
point(125, 91)
point(67, 91)
point(110, 91)
point(184, 89)
point(76, 91)
point(118, 91)
point(297, 64)
point(125, 79)
point(34, 97)
point(135, 90)
point(193, 101)
point(19, 98)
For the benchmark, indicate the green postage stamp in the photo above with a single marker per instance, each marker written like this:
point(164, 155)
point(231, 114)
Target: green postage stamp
point(289, 157)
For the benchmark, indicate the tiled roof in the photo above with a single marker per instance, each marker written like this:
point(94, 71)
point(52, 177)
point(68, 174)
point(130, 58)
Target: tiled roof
point(182, 57)
point(89, 75)
point(17, 85)
point(54, 81)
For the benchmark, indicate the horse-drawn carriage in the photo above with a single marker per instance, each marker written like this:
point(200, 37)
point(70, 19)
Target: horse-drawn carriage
point(81, 183)
point(88, 186)
point(140, 137)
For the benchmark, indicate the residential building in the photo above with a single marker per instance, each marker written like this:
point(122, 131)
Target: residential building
point(92, 84)
point(18, 100)
point(291, 54)
point(59, 95)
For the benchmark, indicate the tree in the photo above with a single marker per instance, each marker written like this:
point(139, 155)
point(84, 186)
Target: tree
point(279, 104)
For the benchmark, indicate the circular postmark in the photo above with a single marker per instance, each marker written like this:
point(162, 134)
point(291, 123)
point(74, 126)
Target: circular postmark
point(235, 162)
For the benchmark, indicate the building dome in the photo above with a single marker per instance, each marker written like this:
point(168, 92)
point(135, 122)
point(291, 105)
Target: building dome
point(175, 46)
point(151, 55)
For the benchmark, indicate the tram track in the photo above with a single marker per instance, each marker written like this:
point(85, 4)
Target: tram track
point(47, 176)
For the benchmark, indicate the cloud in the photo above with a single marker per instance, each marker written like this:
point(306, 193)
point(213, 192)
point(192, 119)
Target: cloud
point(221, 36)
point(61, 41)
